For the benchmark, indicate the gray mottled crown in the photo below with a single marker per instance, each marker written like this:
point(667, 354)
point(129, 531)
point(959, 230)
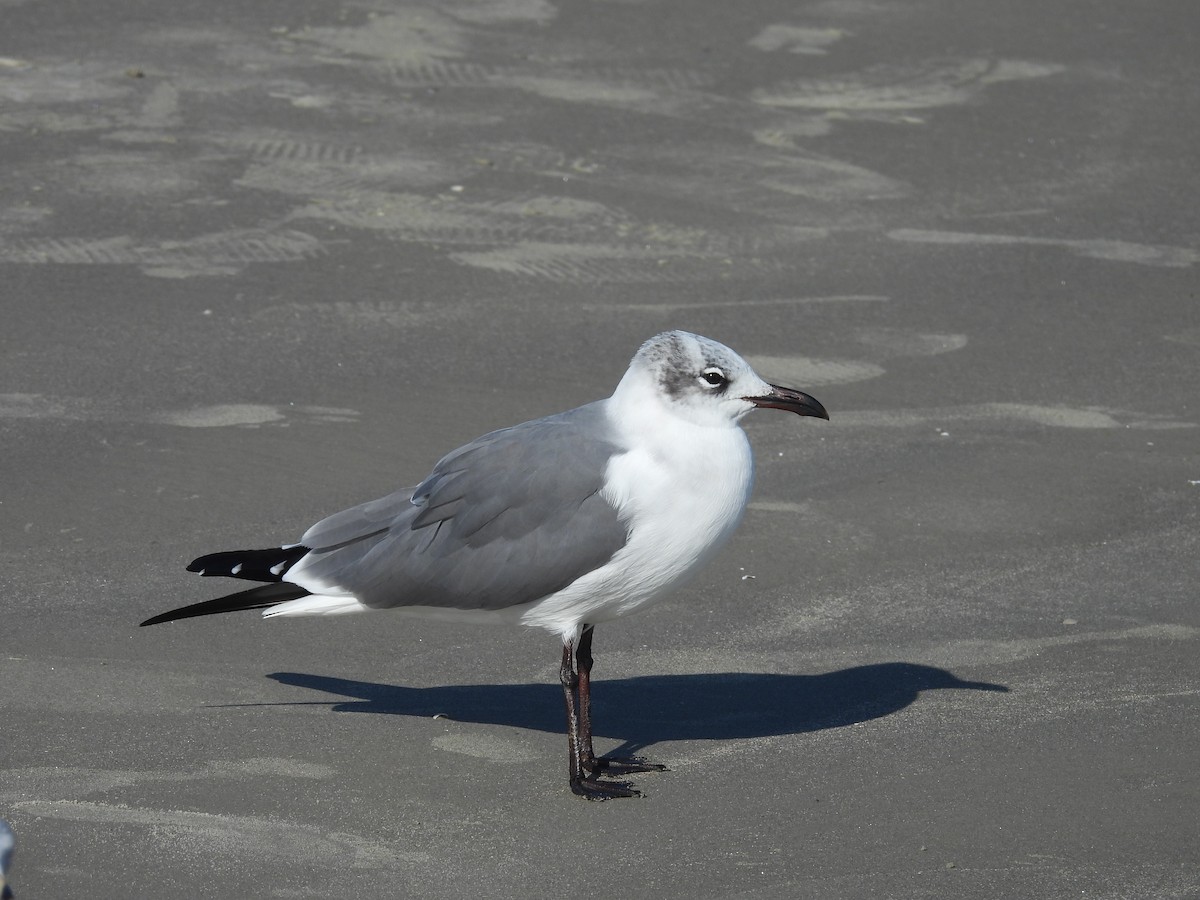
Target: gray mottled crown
point(677, 358)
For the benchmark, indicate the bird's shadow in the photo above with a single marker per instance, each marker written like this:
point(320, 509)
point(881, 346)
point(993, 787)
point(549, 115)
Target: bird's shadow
point(649, 709)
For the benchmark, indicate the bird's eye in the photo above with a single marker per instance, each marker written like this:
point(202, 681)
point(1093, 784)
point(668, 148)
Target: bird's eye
point(714, 377)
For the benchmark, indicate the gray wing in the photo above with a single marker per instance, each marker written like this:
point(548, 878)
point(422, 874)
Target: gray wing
point(504, 520)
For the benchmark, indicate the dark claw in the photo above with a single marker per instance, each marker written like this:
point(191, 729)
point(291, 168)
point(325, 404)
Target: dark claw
point(594, 789)
point(622, 765)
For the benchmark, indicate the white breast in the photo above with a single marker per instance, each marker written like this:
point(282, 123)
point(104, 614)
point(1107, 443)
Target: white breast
point(681, 489)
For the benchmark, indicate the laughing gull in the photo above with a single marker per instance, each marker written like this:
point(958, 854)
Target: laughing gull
point(562, 522)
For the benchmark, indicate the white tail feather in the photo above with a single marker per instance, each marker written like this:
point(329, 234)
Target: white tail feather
point(316, 605)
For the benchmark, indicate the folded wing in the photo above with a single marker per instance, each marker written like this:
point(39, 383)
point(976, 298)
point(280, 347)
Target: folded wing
point(504, 520)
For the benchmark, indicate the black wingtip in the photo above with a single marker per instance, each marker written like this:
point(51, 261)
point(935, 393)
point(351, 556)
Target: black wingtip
point(262, 597)
point(181, 613)
point(251, 565)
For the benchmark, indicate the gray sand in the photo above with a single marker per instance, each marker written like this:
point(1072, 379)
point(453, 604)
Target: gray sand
point(262, 261)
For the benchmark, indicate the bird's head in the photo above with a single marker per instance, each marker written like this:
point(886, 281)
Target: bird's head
point(706, 383)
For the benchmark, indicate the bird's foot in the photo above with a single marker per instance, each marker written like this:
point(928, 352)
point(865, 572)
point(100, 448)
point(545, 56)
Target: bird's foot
point(591, 788)
point(621, 765)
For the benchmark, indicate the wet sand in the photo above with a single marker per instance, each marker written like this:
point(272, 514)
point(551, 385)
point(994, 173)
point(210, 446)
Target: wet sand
point(263, 262)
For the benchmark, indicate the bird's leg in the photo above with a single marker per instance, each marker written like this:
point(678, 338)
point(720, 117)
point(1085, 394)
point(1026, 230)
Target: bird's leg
point(583, 667)
point(587, 756)
point(570, 683)
point(585, 784)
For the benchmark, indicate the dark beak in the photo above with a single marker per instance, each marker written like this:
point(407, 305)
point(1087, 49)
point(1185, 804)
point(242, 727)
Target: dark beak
point(792, 400)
